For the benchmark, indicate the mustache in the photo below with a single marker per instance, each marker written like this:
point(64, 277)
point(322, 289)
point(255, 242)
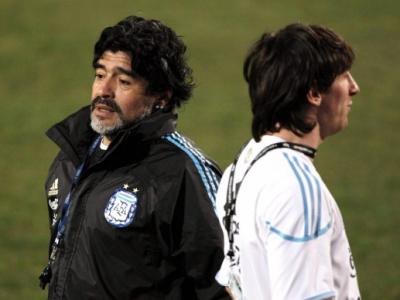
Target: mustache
point(106, 101)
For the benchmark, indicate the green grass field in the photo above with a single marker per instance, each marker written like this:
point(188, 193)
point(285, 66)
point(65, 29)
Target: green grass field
point(45, 66)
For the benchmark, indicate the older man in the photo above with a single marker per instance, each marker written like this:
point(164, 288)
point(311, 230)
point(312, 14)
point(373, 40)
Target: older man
point(131, 201)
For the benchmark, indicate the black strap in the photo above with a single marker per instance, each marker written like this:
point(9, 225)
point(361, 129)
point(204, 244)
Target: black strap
point(230, 205)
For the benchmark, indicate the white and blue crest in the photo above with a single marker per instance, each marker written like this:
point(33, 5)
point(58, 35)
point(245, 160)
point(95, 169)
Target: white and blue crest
point(121, 208)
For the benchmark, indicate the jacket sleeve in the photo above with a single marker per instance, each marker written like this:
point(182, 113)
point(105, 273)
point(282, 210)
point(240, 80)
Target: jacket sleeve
point(201, 243)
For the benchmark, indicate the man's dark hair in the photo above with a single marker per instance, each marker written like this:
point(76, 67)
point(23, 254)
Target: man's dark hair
point(157, 53)
point(282, 67)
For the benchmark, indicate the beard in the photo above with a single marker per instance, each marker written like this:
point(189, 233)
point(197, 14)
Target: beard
point(120, 123)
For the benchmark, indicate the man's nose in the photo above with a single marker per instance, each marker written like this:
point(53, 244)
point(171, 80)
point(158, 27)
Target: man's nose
point(107, 88)
point(354, 88)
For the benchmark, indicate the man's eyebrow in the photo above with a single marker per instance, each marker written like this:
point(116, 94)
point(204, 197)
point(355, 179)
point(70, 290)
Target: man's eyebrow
point(118, 70)
point(98, 65)
point(124, 71)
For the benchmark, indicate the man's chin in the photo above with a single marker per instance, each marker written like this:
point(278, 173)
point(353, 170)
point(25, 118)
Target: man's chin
point(105, 128)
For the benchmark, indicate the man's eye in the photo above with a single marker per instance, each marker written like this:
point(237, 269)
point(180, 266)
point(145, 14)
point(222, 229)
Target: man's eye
point(124, 82)
point(99, 75)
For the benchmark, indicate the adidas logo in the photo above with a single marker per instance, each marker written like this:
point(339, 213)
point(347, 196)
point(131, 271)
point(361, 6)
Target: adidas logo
point(53, 191)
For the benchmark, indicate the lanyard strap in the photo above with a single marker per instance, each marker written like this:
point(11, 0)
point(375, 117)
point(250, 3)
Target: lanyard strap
point(230, 205)
point(46, 274)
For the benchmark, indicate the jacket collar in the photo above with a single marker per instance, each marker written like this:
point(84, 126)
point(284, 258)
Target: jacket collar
point(74, 135)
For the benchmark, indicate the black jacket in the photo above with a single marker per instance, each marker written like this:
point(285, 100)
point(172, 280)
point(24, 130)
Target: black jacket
point(141, 224)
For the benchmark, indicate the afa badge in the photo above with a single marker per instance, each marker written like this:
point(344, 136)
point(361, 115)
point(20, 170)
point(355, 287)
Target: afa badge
point(121, 208)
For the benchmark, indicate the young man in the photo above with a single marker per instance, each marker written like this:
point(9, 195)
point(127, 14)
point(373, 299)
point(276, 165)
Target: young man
point(131, 201)
point(285, 234)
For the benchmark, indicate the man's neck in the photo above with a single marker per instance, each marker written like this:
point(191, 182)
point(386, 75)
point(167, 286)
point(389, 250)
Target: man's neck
point(105, 142)
point(311, 139)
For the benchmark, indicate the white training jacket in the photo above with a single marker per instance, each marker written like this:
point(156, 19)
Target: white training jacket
point(291, 242)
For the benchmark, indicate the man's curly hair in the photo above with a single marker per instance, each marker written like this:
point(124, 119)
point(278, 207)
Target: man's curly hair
point(157, 54)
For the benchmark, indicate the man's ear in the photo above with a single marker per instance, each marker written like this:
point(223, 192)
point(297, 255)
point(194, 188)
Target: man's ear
point(163, 99)
point(314, 97)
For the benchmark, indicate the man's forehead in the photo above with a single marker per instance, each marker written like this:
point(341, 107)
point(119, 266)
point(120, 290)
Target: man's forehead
point(118, 58)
